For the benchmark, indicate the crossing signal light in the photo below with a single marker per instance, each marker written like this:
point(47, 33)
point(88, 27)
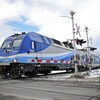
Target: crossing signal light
point(80, 42)
point(92, 49)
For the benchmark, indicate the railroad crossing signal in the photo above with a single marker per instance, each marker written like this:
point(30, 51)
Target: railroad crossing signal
point(92, 48)
point(80, 42)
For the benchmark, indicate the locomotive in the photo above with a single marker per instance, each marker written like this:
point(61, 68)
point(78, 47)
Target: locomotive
point(32, 53)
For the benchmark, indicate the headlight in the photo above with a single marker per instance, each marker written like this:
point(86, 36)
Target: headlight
point(14, 61)
point(8, 50)
point(22, 67)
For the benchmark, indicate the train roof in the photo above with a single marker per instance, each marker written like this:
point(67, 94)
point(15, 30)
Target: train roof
point(39, 38)
point(32, 35)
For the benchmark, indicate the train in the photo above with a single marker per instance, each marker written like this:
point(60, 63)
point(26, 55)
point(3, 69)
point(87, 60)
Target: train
point(31, 53)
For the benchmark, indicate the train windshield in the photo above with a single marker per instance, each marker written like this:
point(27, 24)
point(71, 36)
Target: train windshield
point(11, 43)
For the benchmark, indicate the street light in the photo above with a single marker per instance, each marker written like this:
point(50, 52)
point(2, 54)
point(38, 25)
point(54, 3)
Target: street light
point(73, 30)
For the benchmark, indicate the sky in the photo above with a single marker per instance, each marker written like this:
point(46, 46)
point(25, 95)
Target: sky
point(47, 18)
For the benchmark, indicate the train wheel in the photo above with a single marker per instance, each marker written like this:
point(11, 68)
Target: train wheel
point(15, 76)
point(73, 70)
point(47, 71)
point(31, 74)
point(34, 72)
point(66, 70)
point(14, 73)
point(28, 73)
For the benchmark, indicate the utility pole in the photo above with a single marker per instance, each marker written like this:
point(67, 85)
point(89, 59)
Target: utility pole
point(73, 30)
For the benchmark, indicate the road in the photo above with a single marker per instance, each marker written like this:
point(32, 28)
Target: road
point(38, 89)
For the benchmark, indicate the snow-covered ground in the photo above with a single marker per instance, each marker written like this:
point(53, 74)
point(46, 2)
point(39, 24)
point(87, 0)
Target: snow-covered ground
point(93, 75)
point(88, 74)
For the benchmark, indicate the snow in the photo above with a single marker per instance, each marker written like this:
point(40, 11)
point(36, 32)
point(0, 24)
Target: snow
point(88, 74)
point(93, 76)
point(58, 71)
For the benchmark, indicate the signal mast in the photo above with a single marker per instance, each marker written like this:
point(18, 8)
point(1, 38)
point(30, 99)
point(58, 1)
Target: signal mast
point(73, 30)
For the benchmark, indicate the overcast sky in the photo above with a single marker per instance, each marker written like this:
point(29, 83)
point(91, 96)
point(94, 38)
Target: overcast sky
point(45, 17)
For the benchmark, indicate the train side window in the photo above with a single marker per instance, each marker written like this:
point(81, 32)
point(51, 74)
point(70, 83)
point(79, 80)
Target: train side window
point(33, 44)
point(57, 42)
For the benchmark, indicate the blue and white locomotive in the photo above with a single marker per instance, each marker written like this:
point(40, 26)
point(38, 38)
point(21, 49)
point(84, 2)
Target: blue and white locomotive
point(31, 53)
